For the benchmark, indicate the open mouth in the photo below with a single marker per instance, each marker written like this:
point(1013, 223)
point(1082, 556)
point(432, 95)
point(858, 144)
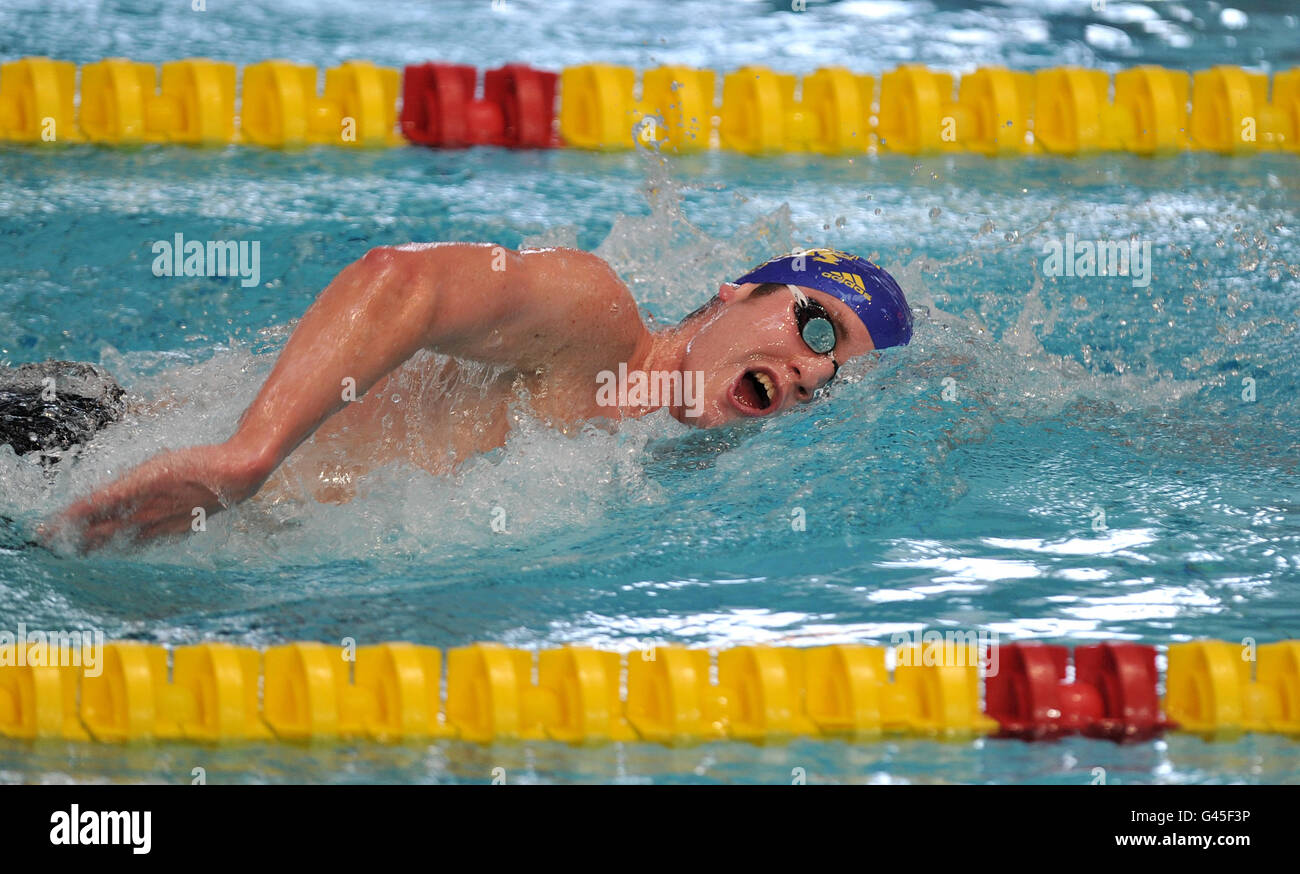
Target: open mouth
point(754, 393)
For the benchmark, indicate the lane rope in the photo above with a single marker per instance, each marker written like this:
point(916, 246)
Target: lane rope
point(72, 689)
point(994, 111)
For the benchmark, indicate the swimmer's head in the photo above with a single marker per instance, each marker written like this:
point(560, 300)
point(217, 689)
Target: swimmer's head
point(773, 337)
point(870, 291)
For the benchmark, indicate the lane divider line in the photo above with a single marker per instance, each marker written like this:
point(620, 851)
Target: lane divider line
point(310, 691)
point(1145, 110)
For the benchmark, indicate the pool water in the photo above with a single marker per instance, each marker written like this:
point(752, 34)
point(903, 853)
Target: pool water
point(1058, 458)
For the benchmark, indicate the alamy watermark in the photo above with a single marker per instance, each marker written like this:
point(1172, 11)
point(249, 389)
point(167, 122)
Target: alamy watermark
point(1071, 257)
point(75, 826)
point(53, 649)
point(653, 388)
point(181, 257)
point(947, 649)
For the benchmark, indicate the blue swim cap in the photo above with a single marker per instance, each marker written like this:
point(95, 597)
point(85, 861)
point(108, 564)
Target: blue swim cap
point(868, 290)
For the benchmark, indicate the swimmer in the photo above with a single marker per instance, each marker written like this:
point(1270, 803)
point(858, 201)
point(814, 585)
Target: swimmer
point(550, 321)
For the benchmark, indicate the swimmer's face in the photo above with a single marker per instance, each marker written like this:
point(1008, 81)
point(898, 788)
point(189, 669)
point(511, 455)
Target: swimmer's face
point(754, 360)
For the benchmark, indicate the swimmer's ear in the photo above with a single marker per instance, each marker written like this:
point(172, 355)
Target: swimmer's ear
point(729, 291)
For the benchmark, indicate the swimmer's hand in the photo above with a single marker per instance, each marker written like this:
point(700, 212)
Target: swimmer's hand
point(468, 300)
point(159, 497)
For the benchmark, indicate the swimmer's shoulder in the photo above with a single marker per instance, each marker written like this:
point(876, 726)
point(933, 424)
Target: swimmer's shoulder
point(546, 306)
point(557, 278)
point(583, 291)
point(575, 273)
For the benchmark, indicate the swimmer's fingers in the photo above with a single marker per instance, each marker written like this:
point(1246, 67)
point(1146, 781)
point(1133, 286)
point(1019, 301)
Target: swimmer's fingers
point(99, 519)
point(100, 534)
point(161, 496)
point(87, 525)
point(82, 538)
point(67, 527)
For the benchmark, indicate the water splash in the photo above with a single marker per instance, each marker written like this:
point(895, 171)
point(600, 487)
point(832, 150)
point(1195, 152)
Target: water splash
point(581, 482)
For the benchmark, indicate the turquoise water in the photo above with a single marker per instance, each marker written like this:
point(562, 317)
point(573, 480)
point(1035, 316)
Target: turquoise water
point(1097, 474)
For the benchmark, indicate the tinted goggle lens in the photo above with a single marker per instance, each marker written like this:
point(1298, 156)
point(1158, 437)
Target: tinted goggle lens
point(815, 326)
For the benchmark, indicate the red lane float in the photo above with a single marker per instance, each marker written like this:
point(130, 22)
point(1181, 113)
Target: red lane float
point(517, 109)
point(1113, 695)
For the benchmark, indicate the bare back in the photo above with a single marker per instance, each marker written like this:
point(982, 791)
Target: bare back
point(436, 411)
point(536, 324)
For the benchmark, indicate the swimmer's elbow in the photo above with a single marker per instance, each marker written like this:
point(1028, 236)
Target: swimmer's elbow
point(380, 255)
point(397, 279)
point(381, 261)
point(451, 292)
point(478, 267)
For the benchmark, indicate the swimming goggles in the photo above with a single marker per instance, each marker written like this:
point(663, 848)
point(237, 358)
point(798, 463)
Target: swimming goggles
point(815, 325)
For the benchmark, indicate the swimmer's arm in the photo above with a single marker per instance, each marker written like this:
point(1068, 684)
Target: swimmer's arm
point(376, 314)
point(476, 301)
